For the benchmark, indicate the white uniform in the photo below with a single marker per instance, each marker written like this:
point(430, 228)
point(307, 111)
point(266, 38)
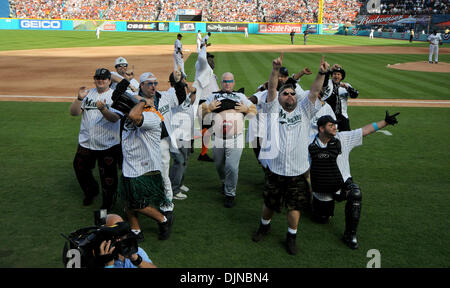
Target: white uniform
point(205, 39)
point(177, 57)
point(133, 82)
point(434, 47)
point(141, 146)
point(97, 133)
point(246, 32)
point(349, 140)
point(286, 147)
point(97, 32)
point(199, 41)
point(371, 33)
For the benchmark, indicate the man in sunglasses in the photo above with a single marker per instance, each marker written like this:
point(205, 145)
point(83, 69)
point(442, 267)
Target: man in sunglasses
point(122, 72)
point(285, 152)
point(98, 139)
point(229, 108)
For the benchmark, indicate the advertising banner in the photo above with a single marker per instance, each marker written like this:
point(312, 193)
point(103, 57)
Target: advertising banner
point(378, 19)
point(40, 24)
point(225, 27)
point(142, 26)
point(91, 25)
point(330, 28)
point(187, 26)
point(279, 28)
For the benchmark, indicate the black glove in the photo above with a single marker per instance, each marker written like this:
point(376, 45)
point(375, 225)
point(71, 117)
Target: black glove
point(390, 119)
point(352, 92)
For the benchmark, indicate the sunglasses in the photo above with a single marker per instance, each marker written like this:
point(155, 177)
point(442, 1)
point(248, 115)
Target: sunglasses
point(100, 78)
point(152, 83)
point(289, 93)
point(122, 65)
point(227, 81)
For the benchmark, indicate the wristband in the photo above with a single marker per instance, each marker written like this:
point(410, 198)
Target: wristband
point(109, 266)
point(138, 261)
point(375, 126)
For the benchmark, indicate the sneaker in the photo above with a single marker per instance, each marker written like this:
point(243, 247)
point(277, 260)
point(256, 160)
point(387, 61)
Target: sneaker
point(431, 62)
point(350, 240)
point(179, 196)
point(262, 231)
point(166, 227)
point(435, 62)
point(291, 245)
point(229, 201)
point(205, 158)
point(184, 188)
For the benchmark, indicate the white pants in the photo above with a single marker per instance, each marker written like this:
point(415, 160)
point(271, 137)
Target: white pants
point(199, 43)
point(371, 35)
point(179, 63)
point(165, 165)
point(434, 48)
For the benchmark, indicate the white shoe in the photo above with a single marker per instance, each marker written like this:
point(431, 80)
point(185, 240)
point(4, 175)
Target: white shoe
point(184, 188)
point(179, 196)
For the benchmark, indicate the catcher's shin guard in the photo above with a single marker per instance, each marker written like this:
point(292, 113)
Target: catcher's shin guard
point(352, 215)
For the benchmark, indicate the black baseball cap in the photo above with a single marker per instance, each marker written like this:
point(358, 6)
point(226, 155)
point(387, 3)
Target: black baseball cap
point(284, 71)
point(325, 119)
point(103, 72)
point(179, 35)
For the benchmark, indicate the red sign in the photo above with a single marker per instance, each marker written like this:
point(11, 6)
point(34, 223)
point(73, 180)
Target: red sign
point(109, 26)
point(279, 28)
point(379, 19)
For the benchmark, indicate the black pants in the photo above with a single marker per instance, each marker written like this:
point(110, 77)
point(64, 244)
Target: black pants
point(107, 160)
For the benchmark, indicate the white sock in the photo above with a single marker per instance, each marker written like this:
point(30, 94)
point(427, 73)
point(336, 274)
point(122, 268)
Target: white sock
point(265, 222)
point(292, 231)
point(165, 219)
point(136, 231)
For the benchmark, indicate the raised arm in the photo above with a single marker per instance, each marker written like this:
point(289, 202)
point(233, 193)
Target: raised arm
point(273, 79)
point(318, 82)
point(375, 126)
point(75, 107)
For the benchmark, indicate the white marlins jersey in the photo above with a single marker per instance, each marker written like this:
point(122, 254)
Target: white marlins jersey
point(97, 133)
point(141, 145)
point(286, 148)
point(178, 45)
point(434, 39)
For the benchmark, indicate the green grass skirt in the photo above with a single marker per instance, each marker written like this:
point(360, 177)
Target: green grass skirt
point(143, 191)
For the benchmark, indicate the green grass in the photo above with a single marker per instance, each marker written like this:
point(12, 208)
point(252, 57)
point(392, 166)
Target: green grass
point(404, 179)
point(366, 72)
point(22, 39)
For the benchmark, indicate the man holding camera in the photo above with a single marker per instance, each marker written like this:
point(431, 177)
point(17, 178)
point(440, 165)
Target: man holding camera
point(139, 259)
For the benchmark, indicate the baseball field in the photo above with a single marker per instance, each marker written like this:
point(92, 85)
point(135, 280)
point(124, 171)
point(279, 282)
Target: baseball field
point(403, 174)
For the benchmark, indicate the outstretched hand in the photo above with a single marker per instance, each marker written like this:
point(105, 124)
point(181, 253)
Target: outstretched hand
point(390, 119)
point(324, 66)
point(277, 63)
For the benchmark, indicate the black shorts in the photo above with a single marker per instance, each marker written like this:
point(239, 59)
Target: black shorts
point(291, 192)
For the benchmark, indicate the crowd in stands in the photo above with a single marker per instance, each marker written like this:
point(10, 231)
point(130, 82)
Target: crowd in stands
point(415, 7)
point(304, 11)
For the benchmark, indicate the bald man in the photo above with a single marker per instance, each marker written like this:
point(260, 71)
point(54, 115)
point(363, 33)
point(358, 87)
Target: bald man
point(139, 259)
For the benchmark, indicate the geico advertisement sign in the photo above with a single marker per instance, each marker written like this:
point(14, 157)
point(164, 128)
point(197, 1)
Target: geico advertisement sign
point(40, 24)
point(280, 28)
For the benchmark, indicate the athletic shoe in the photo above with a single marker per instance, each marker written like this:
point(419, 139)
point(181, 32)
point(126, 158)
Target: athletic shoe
point(431, 62)
point(291, 245)
point(166, 227)
point(184, 188)
point(229, 201)
point(262, 231)
point(180, 196)
point(205, 158)
point(350, 240)
point(435, 62)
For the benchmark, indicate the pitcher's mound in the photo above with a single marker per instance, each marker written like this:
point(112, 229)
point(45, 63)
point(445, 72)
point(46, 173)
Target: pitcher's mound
point(424, 66)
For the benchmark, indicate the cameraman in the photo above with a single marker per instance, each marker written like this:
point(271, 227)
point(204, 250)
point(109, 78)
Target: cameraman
point(136, 260)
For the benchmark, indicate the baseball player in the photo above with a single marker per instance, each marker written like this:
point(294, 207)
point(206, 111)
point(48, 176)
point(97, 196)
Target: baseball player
point(199, 40)
point(121, 66)
point(305, 36)
point(372, 30)
point(206, 39)
point(229, 109)
point(245, 32)
point(98, 140)
point(286, 151)
point(205, 83)
point(330, 172)
point(336, 93)
point(178, 55)
point(97, 32)
point(434, 40)
point(142, 187)
point(292, 34)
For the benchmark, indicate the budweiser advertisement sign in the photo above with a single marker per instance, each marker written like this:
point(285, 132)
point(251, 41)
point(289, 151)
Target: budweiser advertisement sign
point(280, 28)
point(379, 19)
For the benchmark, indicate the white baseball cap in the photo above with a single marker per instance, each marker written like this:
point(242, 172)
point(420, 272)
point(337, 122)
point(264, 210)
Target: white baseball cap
point(120, 61)
point(146, 76)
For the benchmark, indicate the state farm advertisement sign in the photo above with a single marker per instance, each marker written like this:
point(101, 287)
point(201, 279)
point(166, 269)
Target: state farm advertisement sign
point(379, 19)
point(280, 28)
